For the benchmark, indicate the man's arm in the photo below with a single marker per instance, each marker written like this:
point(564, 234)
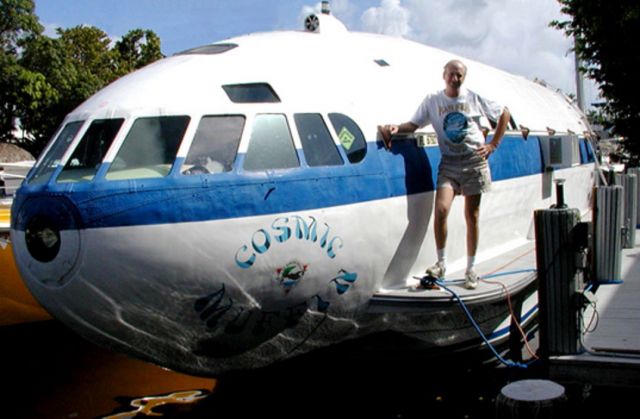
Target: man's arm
point(486, 149)
point(390, 129)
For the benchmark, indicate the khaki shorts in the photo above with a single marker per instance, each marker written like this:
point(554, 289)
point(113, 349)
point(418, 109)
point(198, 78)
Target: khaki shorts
point(466, 175)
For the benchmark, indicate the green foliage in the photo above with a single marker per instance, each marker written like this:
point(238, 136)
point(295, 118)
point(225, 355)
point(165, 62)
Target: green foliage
point(17, 23)
point(42, 79)
point(605, 34)
point(137, 49)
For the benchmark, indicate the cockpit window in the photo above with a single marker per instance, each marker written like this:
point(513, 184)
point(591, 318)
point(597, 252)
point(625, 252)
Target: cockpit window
point(251, 93)
point(271, 145)
point(215, 145)
point(52, 159)
point(149, 149)
point(350, 136)
point(317, 144)
point(88, 155)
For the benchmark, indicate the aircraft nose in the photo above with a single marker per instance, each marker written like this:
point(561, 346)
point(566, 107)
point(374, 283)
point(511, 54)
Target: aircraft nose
point(46, 239)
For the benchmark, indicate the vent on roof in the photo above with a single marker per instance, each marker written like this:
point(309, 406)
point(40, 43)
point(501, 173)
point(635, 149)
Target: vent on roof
point(381, 63)
point(251, 93)
point(209, 49)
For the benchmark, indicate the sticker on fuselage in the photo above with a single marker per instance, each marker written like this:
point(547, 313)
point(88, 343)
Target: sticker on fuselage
point(346, 138)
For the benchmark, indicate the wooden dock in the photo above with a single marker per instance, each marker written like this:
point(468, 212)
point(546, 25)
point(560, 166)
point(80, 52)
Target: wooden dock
point(612, 356)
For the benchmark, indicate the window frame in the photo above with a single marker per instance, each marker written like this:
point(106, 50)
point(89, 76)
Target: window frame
point(337, 137)
point(190, 140)
point(53, 174)
point(78, 143)
point(329, 130)
point(248, 134)
point(121, 138)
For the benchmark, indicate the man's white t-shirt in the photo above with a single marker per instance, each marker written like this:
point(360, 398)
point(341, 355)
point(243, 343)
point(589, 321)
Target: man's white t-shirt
point(456, 120)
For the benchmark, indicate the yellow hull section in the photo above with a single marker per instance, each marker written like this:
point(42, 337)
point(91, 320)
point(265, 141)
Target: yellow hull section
point(17, 305)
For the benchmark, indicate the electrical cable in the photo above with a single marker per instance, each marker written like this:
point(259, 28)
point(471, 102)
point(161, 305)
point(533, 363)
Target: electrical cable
point(514, 318)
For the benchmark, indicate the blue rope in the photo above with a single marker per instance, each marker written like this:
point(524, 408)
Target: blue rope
point(495, 275)
point(520, 271)
point(499, 357)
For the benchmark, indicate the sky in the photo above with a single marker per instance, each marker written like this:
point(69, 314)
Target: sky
point(513, 35)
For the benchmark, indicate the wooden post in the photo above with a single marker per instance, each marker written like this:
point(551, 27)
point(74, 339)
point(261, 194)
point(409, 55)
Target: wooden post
point(557, 275)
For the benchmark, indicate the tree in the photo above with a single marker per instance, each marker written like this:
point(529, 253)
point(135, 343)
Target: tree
point(42, 79)
point(17, 23)
point(605, 35)
point(137, 49)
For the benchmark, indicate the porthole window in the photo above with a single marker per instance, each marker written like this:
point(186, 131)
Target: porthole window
point(87, 157)
point(317, 144)
point(215, 145)
point(149, 148)
point(350, 137)
point(271, 145)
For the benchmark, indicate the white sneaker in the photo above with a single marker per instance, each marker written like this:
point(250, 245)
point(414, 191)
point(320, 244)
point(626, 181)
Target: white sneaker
point(437, 270)
point(470, 280)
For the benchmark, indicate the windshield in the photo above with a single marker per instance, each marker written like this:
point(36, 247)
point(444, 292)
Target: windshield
point(52, 159)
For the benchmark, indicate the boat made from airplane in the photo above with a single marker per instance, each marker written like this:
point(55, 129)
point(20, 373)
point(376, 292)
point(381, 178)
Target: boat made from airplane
point(233, 205)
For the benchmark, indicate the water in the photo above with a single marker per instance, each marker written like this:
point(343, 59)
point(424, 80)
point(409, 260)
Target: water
point(49, 372)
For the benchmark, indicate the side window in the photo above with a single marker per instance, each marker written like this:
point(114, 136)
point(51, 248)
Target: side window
point(271, 145)
point(52, 159)
point(149, 149)
point(88, 155)
point(317, 144)
point(350, 137)
point(215, 145)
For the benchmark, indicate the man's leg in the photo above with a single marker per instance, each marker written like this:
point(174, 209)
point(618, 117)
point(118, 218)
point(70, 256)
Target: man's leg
point(471, 215)
point(444, 198)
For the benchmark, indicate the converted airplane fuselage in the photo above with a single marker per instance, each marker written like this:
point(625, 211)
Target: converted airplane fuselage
point(231, 206)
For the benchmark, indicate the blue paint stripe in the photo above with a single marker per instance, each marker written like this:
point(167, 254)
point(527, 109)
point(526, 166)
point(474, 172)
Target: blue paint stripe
point(586, 152)
point(404, 171)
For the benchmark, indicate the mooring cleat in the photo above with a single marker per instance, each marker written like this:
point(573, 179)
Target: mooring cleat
point(428, 282)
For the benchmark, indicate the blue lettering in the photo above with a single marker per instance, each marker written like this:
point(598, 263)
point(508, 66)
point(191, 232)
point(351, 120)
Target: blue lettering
point(282, 231)
point(285, 232)
point(261, 248)
point(332, 246)
point(247, 263)
point(323, 240)
point(303, 231)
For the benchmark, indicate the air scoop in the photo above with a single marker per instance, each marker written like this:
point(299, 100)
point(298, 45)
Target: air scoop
point(45, 230)
point(324, 23)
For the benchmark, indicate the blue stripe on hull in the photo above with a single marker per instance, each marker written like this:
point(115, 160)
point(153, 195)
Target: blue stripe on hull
point(406, 170)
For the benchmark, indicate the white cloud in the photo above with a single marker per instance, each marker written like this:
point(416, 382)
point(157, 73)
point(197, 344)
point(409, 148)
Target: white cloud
point(390, 18)
point(513, 35)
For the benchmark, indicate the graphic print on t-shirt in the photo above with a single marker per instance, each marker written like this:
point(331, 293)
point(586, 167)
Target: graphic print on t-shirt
point(455, 125)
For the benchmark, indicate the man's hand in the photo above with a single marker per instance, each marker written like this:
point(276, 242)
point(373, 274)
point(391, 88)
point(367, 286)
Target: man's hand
point(386, 131)
point(485, 150)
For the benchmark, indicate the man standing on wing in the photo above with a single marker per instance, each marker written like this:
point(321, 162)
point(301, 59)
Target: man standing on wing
point(464, 169)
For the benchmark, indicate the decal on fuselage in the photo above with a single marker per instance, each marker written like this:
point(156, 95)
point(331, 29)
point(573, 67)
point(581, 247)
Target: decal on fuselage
point(283, 229)
point(222, 311)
